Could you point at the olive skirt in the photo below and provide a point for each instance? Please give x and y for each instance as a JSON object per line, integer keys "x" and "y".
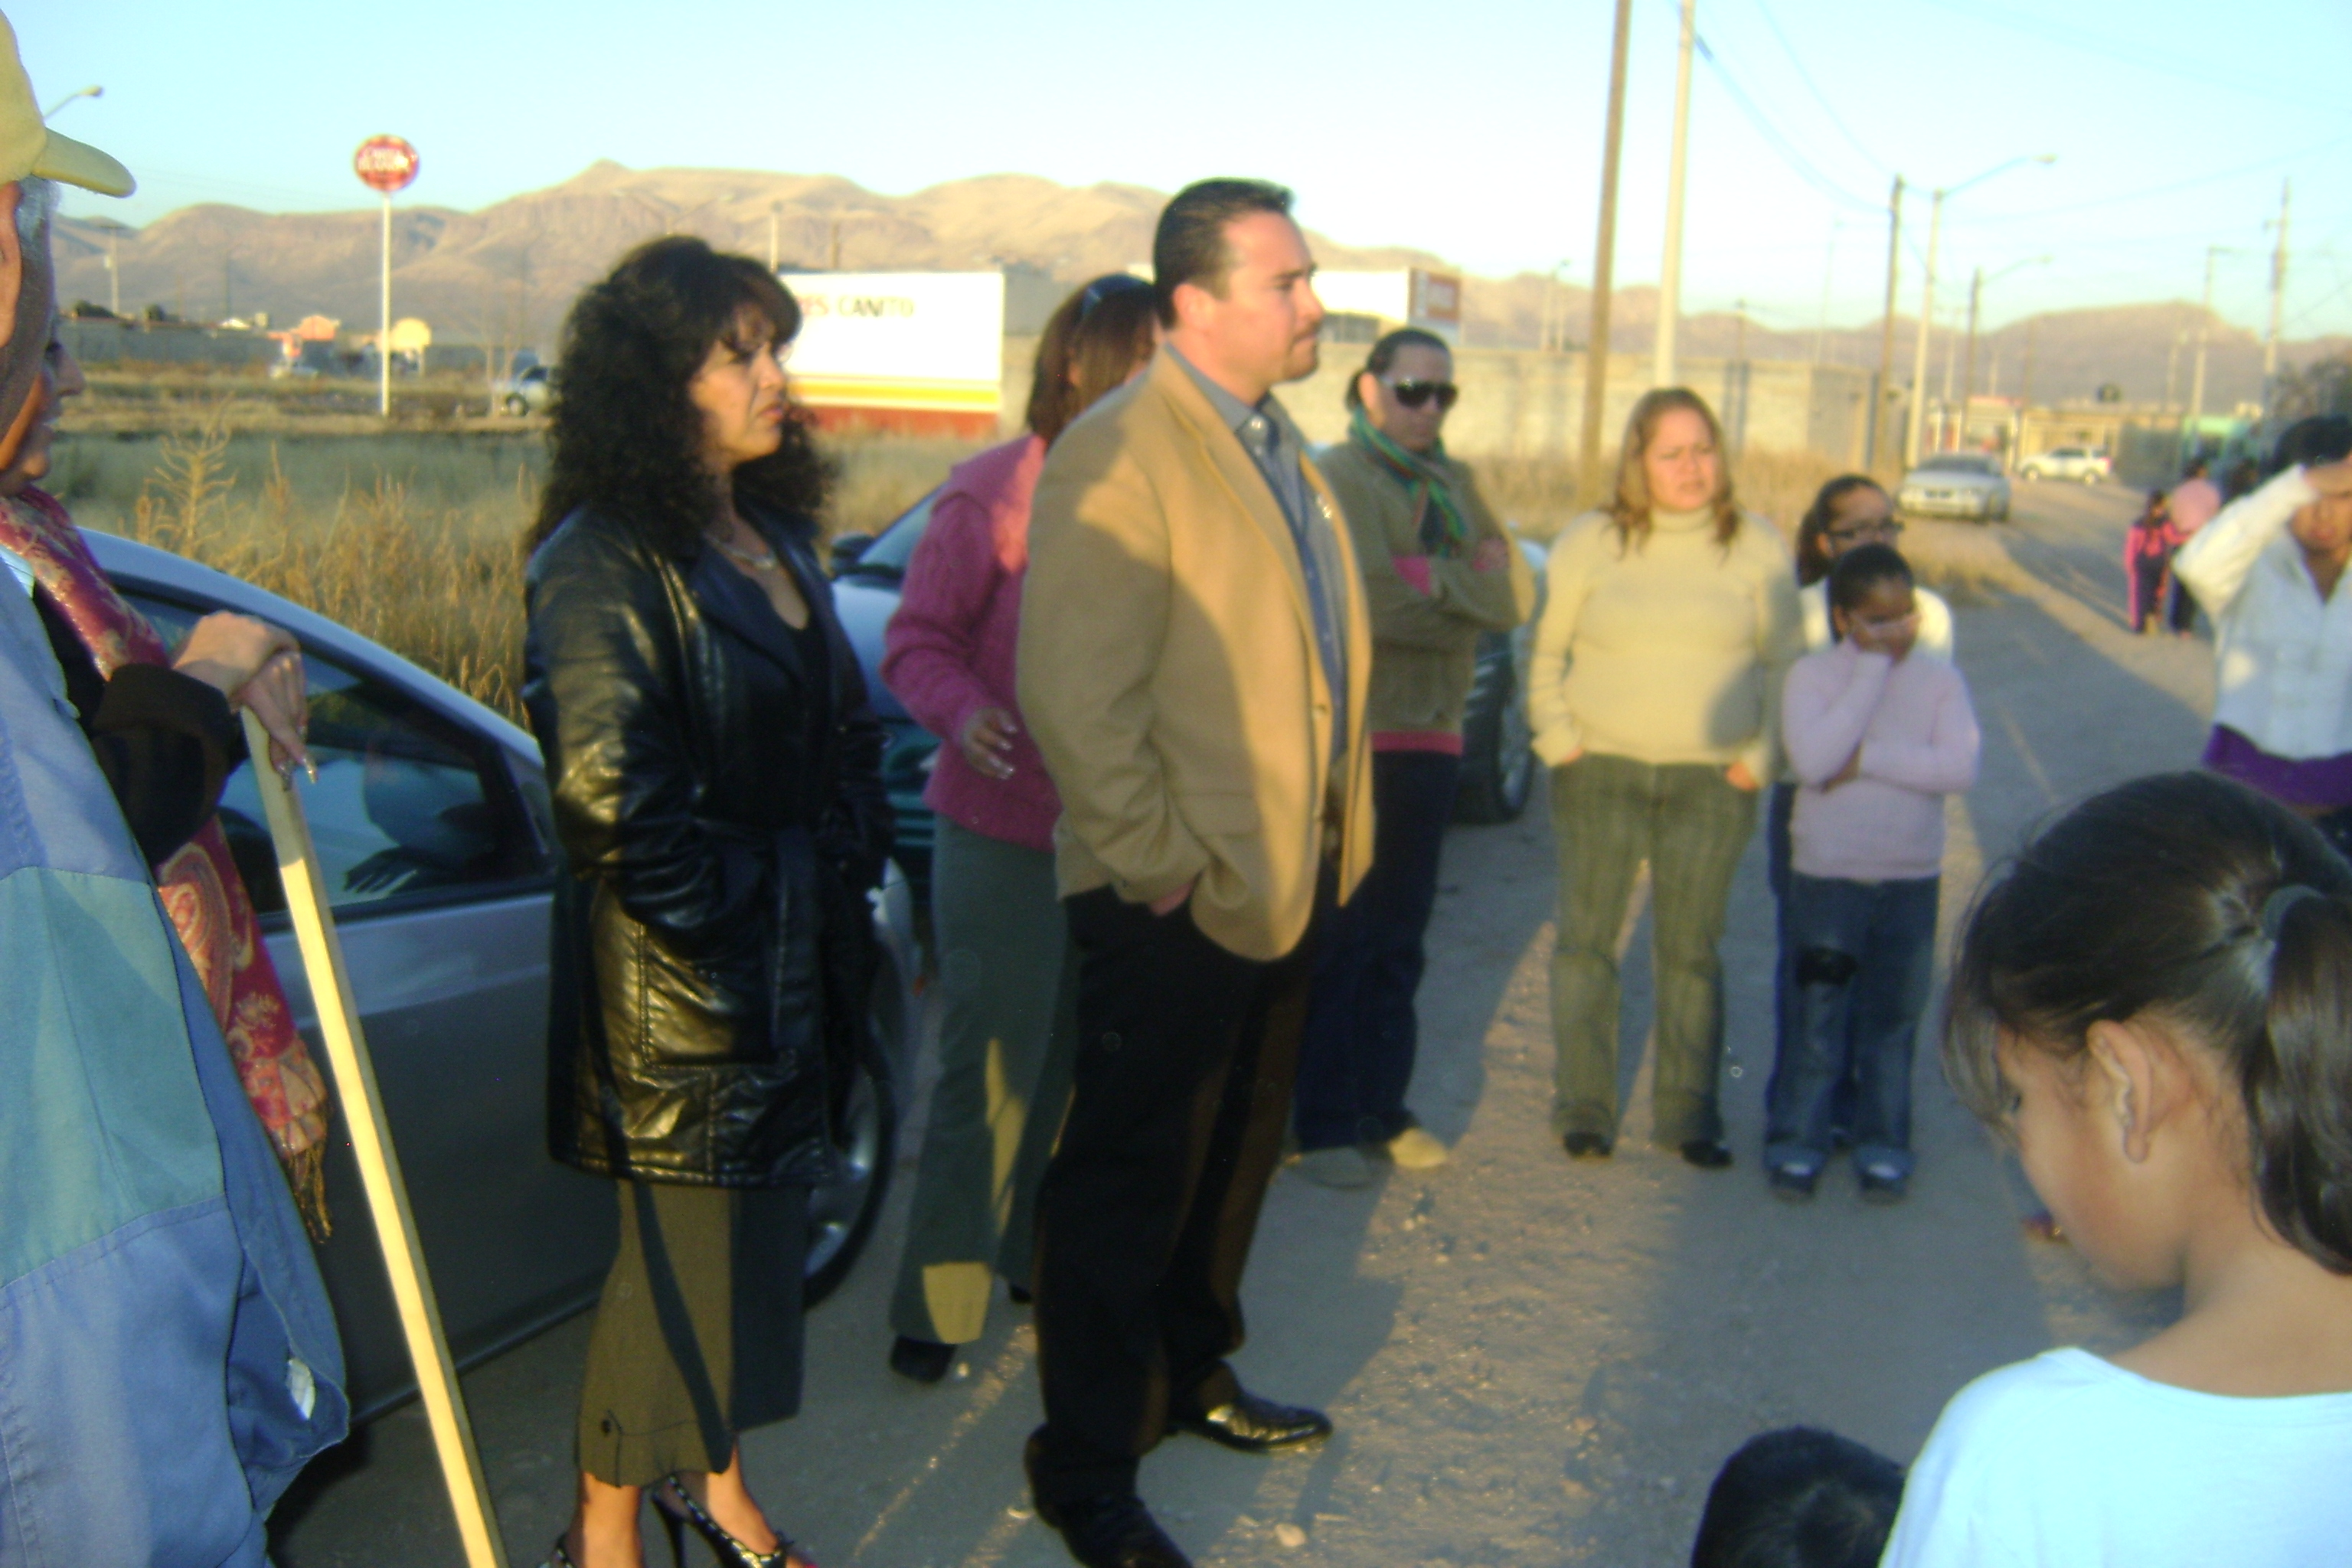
{"x": 697, "y": 1333}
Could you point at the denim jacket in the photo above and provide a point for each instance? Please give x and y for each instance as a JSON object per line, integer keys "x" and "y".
{"x": 168, "y": 1360}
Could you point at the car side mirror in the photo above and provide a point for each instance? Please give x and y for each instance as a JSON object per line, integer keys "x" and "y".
{"x": 846, "y": 550}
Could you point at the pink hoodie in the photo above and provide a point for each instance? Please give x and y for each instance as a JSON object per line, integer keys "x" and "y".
{"x": 949, "y": 649}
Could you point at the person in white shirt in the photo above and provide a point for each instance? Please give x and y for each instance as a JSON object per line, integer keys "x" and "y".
{"x": 2151, "y": 1001}
{"x": 2269, "y": 571}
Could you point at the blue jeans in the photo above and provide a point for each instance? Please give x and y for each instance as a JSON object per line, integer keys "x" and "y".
{"x": 1788, "y": 1001}
{"x": 1356, "y": 1058}
{"x": 1863, "y": 954}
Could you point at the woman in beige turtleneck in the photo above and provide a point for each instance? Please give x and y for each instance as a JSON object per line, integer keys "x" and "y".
{"x": 1654, "y": 692}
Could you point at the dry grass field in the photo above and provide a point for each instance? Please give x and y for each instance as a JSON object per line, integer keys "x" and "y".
{"x": 412, "y": 537}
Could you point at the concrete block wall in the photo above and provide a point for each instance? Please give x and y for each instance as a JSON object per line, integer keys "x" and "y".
{"x": 1518, "y": 403}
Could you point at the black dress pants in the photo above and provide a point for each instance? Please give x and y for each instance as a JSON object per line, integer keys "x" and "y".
{"x": 1185, "y": 1061}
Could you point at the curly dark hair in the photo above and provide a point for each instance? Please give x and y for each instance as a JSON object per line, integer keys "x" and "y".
{"x": 624, "y": 435}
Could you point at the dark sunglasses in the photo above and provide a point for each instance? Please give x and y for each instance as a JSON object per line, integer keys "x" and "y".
{"x": 1103, "y": 287}
{"x": 1414, "y": 393}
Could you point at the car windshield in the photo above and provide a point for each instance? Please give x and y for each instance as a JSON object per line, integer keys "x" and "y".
{"x": 888, "y": 555}
{"x": 1959, "y": 463}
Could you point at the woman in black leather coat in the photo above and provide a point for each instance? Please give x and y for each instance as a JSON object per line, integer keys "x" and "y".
{"x": 715, "y": 767}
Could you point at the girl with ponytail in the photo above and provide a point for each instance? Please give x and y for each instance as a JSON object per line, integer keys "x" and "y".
{"x": 2155, "y": 1004}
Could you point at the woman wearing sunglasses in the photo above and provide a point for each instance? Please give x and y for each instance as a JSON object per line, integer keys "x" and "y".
{"x": 1439, "y": 572}
{"x": 1006, "y": 1040}
{"x": 1654, "y": 692}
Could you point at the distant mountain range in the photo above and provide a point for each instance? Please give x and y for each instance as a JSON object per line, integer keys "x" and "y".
{"x": 505, "y": 275}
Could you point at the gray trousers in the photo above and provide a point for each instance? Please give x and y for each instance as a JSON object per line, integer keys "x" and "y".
{"x": 1609, "y": 816}
{"x": 1009, "y": 984}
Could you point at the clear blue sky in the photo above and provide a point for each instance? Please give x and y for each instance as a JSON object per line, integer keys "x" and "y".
{"x": 1471, "y": 129}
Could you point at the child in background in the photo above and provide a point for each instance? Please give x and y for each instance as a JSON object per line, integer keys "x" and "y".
{"x": 2155, "y": 1002}
{"x": 2147, "y": 557}
{"x": 1876, "y": 738}
{"x": 1798, "y": 1497}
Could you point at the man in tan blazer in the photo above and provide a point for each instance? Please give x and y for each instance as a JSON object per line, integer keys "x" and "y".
{"x": 1193, "y": 665}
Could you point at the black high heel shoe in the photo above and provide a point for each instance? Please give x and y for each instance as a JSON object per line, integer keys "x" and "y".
{"x": 679, "y": 1510}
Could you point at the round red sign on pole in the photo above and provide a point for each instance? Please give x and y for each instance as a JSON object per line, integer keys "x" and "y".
{"x": 386, "y": 163}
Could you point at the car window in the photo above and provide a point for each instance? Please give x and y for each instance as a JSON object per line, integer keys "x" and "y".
{"x": 1958, "y": 463}
{"x": 406, "y": 800}
{"x": 889, "y": 553}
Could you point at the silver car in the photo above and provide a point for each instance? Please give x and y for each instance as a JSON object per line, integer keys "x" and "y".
{"x": 431, "y": 816}
{"x": 524, "y": 393}
{"x": 1956, "y": 484}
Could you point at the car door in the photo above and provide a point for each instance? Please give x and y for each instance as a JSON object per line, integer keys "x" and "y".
{"x": 433, "y": 843}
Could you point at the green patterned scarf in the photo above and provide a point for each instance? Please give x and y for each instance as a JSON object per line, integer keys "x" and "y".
{"x": 1444, "y": 530}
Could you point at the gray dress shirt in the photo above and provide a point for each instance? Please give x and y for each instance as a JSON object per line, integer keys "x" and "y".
{"x": 1276, "y": 447}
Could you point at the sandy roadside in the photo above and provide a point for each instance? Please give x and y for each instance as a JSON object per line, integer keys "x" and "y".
{"x": 1529, "y": 1362}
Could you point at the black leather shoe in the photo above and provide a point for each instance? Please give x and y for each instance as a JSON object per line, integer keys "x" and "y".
{"x": 925, "y": 1361}
{"x": 1113, "y": 1531}
{"x": 1257, "y": 1425}
{"x": 1706, "y": 1154}
{"x": 1586, "y": 1146}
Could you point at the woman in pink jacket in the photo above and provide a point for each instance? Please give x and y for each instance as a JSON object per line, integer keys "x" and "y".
{"x": 1006, "y": 1039}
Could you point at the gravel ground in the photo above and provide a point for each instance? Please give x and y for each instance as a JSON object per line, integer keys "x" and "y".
{"x": 1529, "y": 1362}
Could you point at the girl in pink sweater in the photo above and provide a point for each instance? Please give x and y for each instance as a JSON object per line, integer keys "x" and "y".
{"x": 1876, "y": 738}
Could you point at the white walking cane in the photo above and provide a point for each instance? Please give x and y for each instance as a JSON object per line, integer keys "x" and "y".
{"x": 387, "y": 1195}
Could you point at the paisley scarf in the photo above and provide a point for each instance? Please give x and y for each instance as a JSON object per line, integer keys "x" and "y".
{"x": 201, "y": 888}
{"x": 1445, "y": 532}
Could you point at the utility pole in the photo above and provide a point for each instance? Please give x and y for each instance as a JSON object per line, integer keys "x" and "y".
{"x": 2204, "y": 331}
{"x": 1968, "y": 364}
{"x": 1596, "y": 351}
{"x": 1669, "y": 273}
{"x": 1737, "y": 435}
{"x": 1928, "y": 303}
{"x": 2278, "y": 299}
{"x": 1919, "y": 354}
{"x": 775, "y": 209}
{"x": 1829, "y": 270}
{"x": 1882, "y": 393}
{"x": 834, "y": 265}
{"x": 2025, "y": 392}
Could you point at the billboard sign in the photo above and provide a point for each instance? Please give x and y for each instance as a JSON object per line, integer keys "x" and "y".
{"x": 912, "y": 342}
{"x": 1408, "y": 297}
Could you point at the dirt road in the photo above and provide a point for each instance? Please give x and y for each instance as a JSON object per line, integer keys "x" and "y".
{"x": 1529, "y": 1362}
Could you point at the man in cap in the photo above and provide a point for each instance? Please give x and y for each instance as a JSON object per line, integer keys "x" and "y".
{"x": 168, "y": 1361}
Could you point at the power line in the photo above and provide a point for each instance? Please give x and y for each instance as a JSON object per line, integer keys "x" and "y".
{"x": 1803, "y": 166}
{"x": 2103, "y": 46}
{"x": 1819, "y": 97}
{"x": 2165, "y": 190}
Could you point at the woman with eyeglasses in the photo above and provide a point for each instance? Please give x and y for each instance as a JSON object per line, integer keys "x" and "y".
{"x": 1007, "y": 1040}
{"x": 1850, "y": 511}
{"x": 1439, "y": 573}
{"x": 1655, "y": 693}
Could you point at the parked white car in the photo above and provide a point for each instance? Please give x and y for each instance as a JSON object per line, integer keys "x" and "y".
{"x": 1956, "y": 484}
{"x": 2084, "y": 465}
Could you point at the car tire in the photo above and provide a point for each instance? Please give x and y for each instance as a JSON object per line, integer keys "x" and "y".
{"x": 517, "y": 405}
{"x": 1498, "y": 762}
{"x": 842, "y": 1217}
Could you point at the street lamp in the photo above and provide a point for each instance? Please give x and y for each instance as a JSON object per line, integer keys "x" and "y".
{"x": 51, "y": 112}
{"x": 1555, "y": 315}
{"x": 1927, "y": 302}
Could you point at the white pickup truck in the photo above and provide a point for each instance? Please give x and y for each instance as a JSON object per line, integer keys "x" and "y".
{"x": 2087, "y": 465}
